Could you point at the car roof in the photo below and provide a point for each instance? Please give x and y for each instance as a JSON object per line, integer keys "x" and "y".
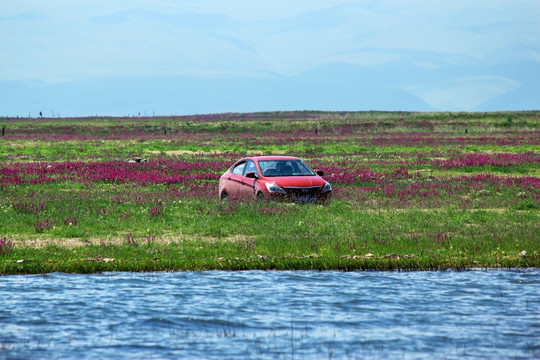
{"x": 271, "y": 157}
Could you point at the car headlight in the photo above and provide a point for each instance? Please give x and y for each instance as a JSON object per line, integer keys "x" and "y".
{"x": 326, "y": 188}
{"x": 273, "y": 188}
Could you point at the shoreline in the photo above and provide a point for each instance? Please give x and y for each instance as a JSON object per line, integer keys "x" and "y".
{"x": 54, "y": 259}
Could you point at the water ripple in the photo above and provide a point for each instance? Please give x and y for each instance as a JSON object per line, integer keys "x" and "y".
{"x": 256, "y": 314}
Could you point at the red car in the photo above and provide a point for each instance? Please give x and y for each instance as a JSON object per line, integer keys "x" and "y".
{"x": 275, "y": 178}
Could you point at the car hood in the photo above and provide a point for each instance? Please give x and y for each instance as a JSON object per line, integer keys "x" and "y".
{"x": 297, "y": 181}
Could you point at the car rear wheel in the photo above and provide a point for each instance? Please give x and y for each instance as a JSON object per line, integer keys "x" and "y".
{"x": 224, "y": 198}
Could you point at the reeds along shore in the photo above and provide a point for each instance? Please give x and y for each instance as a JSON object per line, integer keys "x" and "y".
{"x": 412, "y": 191}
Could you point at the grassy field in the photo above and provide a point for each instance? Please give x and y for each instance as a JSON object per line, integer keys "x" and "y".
{"x": 412, "y": 191}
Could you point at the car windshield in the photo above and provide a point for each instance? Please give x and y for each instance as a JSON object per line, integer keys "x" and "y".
{"x": 285, "y": 168}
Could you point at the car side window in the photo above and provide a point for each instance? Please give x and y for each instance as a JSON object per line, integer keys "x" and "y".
{"x": 239, "y": 169}
{"x": 250, "y": 167}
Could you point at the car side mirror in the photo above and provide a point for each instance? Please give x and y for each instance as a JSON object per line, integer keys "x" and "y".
{"x": 251, "y": 175}
{"x": 320, "y": 172}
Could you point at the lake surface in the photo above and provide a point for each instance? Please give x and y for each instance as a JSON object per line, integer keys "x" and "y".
{"x": 273, "y": 315}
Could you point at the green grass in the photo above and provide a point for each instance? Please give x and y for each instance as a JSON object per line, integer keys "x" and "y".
{"x": 201, "y": 236}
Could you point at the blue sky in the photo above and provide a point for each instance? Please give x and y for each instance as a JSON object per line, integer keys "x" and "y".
{"x": 111, "y": 57}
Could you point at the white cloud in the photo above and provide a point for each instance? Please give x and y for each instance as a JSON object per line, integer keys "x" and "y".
{"x": 81, "y": 39}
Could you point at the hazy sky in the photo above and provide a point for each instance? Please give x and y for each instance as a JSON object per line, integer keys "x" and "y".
{"x": 448, "y": 55}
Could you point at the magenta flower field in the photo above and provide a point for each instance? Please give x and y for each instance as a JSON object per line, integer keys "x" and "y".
{"x": 394, "y": 158}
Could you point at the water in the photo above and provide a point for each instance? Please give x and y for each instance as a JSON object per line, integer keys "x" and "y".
{"x": 274, "y": 315}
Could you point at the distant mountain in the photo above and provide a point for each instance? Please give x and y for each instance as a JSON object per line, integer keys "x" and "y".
{"x": 523, "y": 98}
{"x": 335, "y": 86}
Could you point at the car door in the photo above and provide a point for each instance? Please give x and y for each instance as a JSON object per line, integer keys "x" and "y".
{"x": 235, "y": 180}
{"x": 246, "y": 186}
